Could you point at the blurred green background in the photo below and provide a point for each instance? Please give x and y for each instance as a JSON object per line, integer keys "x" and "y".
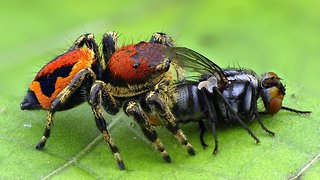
{"x": 268, "y": 35}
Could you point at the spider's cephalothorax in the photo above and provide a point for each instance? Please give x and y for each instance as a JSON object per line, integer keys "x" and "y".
{"x": 135, "y": 77}
{"x": 241, "y": 94}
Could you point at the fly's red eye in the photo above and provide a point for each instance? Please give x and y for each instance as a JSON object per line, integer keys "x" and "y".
{"x": 275, "y": 105}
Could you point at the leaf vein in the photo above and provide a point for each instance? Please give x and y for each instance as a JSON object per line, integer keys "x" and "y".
{"x": 305, "y": 168}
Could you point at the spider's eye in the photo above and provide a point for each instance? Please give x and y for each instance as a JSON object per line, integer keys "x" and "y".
{"x": 135, "y": 66}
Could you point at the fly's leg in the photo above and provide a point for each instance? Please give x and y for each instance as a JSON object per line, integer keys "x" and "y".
{"x": 262, "y": 125}
{"x": 256, "y": 113}
{"x": 169, "y": 120}
{"x": 47, "y": 131}
{"x": 134, "y": 110}
{"x": 202, "y": 131}
{"x": 253, "y": 101}
{"x": 218, "y": 96}
{"x": 212, "y": 117}
{"x": 295, "y": 110}
{"x": 97, "y": 96}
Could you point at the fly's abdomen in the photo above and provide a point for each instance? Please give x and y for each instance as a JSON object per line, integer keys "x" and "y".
{"x": 188, "y": 106}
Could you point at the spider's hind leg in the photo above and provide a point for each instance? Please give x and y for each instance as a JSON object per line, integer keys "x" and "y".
{"x": 169, "y": 120}
{"x": 134, "y": 110}
{"x": 63, "y": 101}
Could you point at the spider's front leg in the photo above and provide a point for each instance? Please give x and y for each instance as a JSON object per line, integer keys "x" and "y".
{"x": 162, "y": 38}
{"x": 153, "y": 99}
{"x": 99, "y": 97}
{"x": 109, "y": 44}
{"x": 134, "y": 110}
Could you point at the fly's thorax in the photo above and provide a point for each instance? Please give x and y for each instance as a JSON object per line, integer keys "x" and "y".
{"x": 242, "y": 75}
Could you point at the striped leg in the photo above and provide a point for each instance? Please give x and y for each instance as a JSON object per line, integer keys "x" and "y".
{"x": 102, "y": 126}
{"x": 95, "y": 103}
{"x": 133, "y": 110}
{"x": 162, "y": 38}
{"x": 47, "y": 130}
{"x": 169, "y": 120}
{"x": 61, "y": 99}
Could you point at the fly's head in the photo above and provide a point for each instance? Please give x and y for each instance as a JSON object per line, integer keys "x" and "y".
{"x": 272, "y": 92}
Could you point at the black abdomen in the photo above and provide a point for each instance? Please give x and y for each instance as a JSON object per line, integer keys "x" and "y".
{"x": 189, "y": 105}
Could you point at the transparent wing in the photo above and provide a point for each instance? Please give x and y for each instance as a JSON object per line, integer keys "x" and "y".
{"x": 194, "y": 64}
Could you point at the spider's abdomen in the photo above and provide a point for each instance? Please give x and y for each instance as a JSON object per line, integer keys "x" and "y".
{"x": 57, "y": 74}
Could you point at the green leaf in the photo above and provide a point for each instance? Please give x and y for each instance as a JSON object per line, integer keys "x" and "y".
{"x": 260, "y": 35}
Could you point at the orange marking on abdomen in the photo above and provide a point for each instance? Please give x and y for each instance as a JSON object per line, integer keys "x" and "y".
{"x": 81, "y": 58}
{"x": 69, "y": 58}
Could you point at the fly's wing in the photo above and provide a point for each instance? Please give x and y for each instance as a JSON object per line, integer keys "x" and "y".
{"x": 194, "y": 64}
